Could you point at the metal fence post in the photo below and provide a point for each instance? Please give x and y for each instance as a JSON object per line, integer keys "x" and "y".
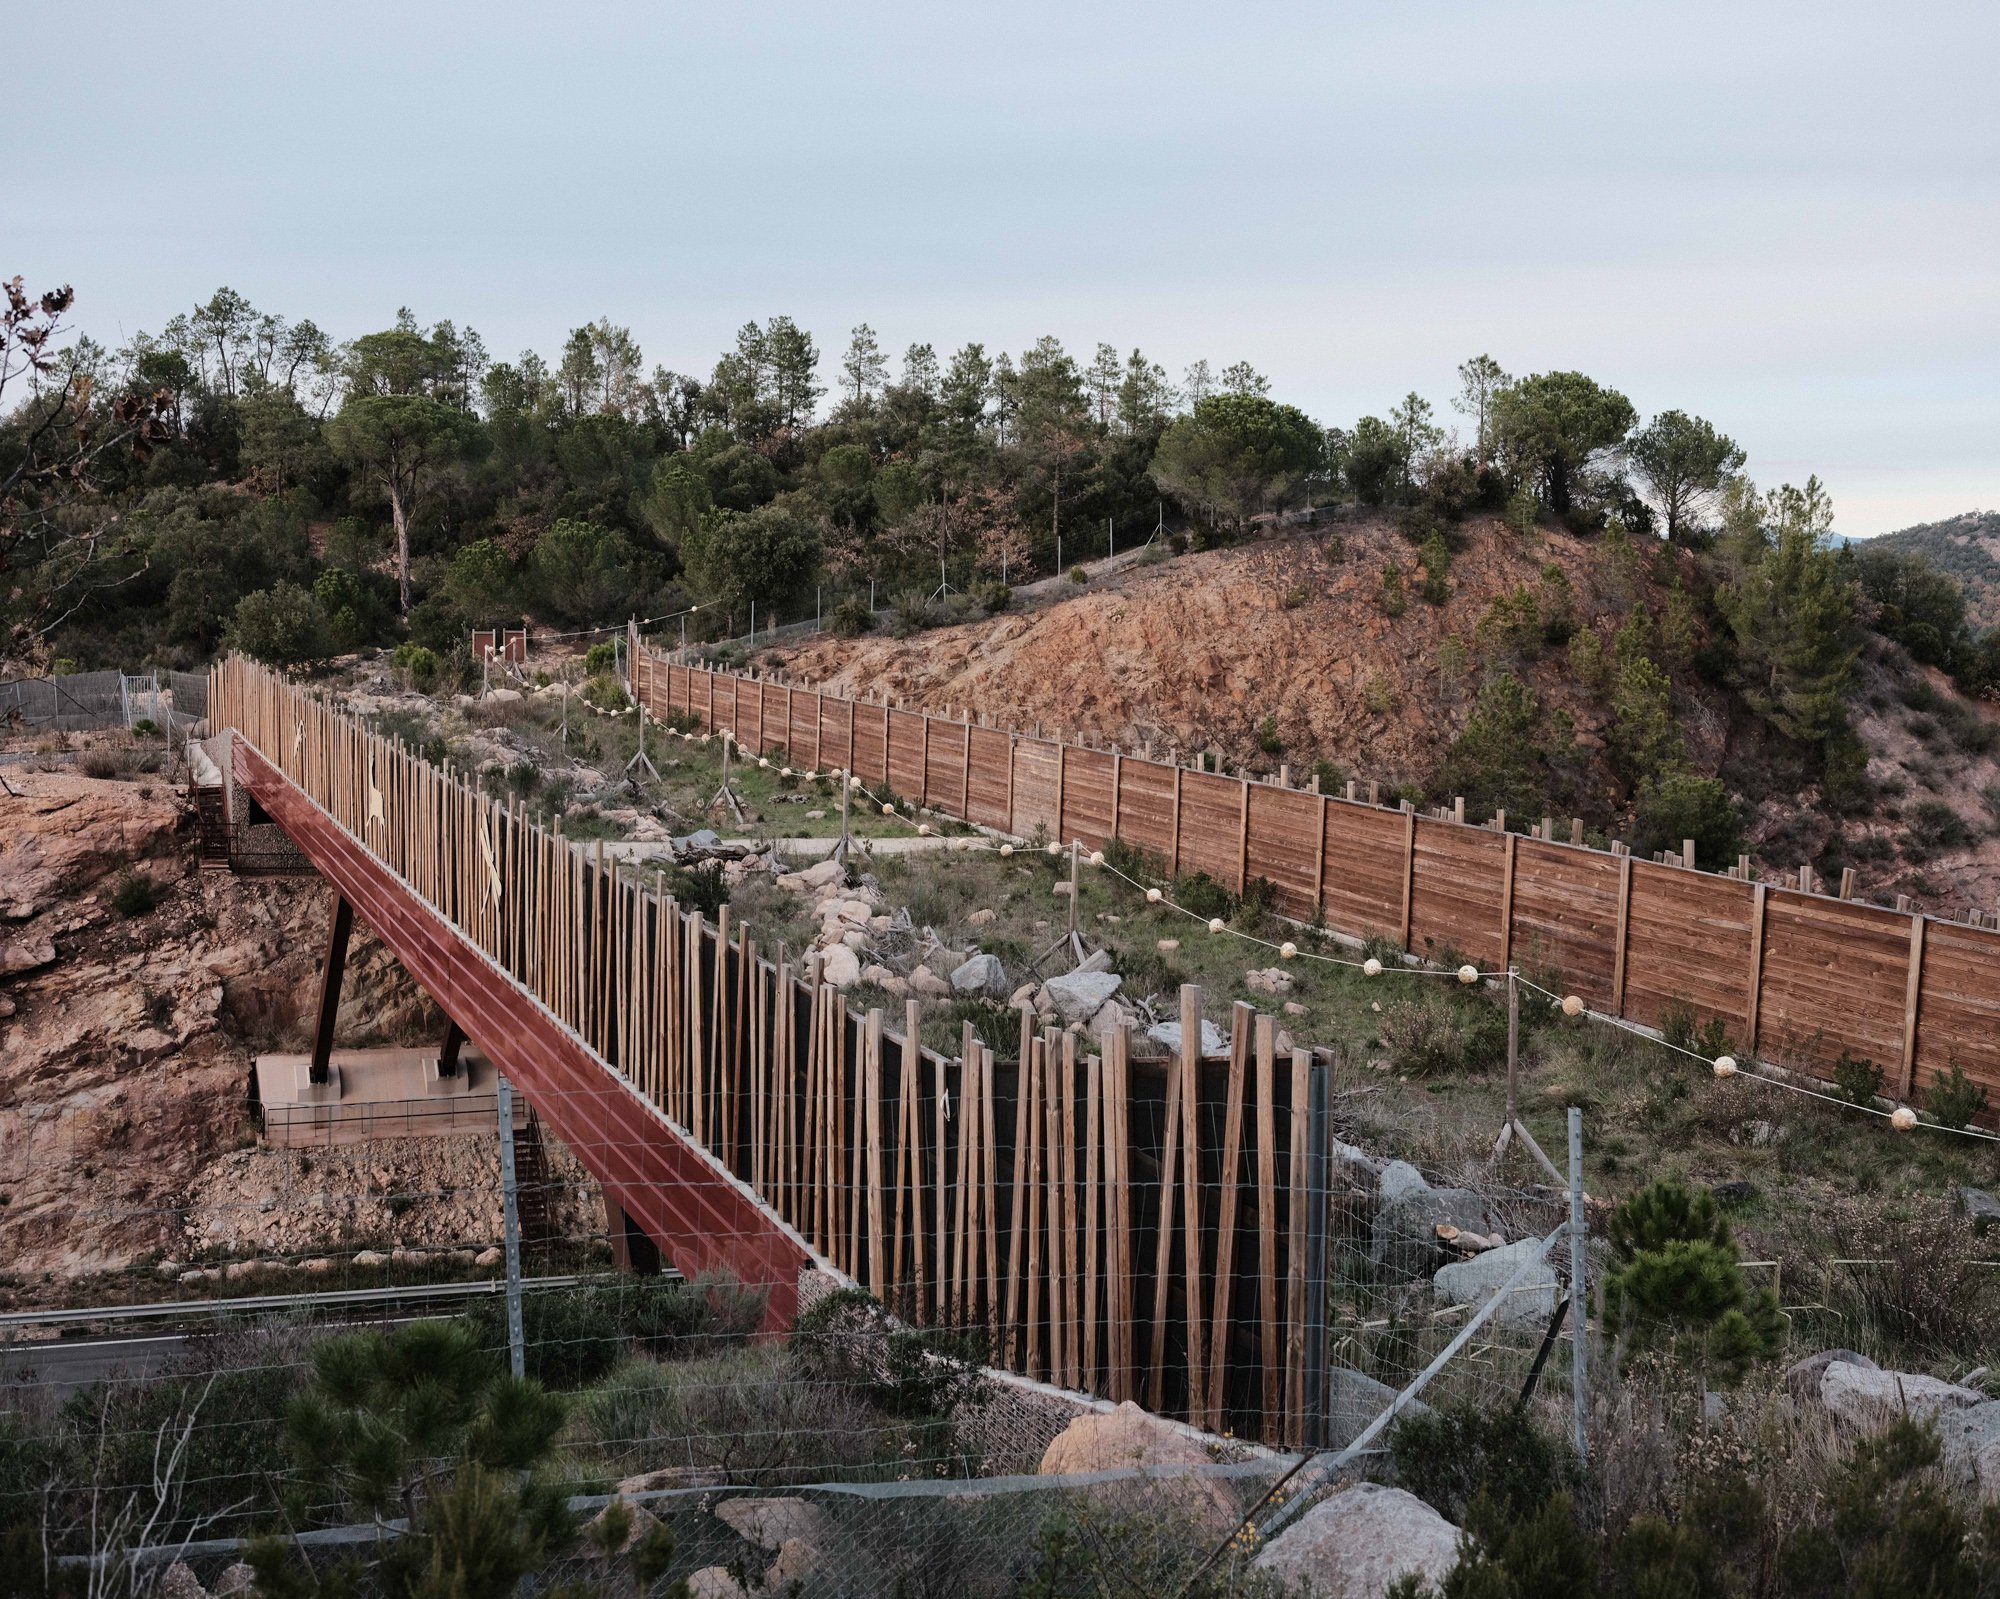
{"x": 1319, "y": 1133}
{"x": 1578, "y": 1343}
{"x": 510, "y": 1222}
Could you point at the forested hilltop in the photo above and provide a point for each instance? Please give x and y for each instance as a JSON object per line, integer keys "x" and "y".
{"x": 1967, "y": 548}
{"x": 1677, "y": 647}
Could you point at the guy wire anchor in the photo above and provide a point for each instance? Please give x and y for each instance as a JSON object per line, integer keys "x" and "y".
{"x": 640, "y": 759}
{"x": 726, "y": 792}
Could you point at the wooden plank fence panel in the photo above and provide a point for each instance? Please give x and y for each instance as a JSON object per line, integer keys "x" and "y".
{"x": 724, "y": 688}
{"x": 986, "y": 803}
{"x": 944, "y": 767}
{"x": 1284, "y": 845}
{"x": 1211, "y": 824}
{"x": 836, "y": 733}
{"x": 906, "y": 755}
{"x": 773, "y": 718}
{"x": 1833, "y": 967}
{"x": 802, "y": 744}
{"x": 1362, "y": 893}
{"x": 1958, "y": 1008}
{"x": 1566, "y": 916}
{"x": 1455, "y": 900}
{"x": 871, "y": 744}
{"x": 1146, "y": 808}
{"x": 1036, "y": 774}
{"x": 1086, "y": 797}
{"x": 1687, "y": 939}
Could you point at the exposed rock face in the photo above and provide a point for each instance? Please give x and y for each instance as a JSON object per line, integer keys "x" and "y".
{"x": 125, "y": 1056}
{"x": 1355, "y": 1544}
{"x": 772, "y": 1523}
{"x": 1867, "y": 1397}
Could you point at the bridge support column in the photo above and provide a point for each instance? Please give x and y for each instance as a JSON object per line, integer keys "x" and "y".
{"x": 331, "y": 973}
{"x": 631, "y": 1249}
{"x": 454, "y": 1041}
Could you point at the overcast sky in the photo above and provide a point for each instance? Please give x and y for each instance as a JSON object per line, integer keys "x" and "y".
{"x": 1783, "y": 217}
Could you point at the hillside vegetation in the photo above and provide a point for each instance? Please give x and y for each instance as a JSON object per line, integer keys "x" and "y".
{"x": 1562, "y": 609}
{"x": 1967, "y": 549}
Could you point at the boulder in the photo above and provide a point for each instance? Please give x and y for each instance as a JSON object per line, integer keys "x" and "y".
{"x": 1472, "y": 1282}
{"x": 772, "y": 1523}
{"x": 371, "y": 1257}
{"x": 982, "y": 975}
{"x": 179, "y": 1582}
{"x": 1354, "y": 1399}
{"x": 1981, "y": 1206}
{"x": 824, "y": 874}
{"x": 981, "y": 917}
{"x": 1168, "y": 1036}
{"x": 1078, "y": 996}
{"x": 1971, "y": 1440}
{"x": 840, "y": 966}
{"x": 237, "y": 1578}
{"x": 1404, "y": 1238}
{"x": 639, "y": 1520}
{"x": 927, "y": 982}
{"x": 714, "y": 1582}
{"x": 1098, "y": 960}
{"x": 1398, "y": 1179}
{"x": 1357, "y": 1168}
{"x": 669, "y": 1477}
{"x": 1268, "y": 980}
{"x": 1130, "y": 1436}
{"x": 1166, "y": 946}
{"x": 796, "y": 1561}
{"x": 1357, "y": 1543}
{"x": 1802, "y": 1376}
{"x": 1112, "y": 1018}
{"x": 1024, "y": 995}
{"x": 1294, "y": 1008}
{"x": 1063, "y": 889}
{"x": 1864, "y": 1396}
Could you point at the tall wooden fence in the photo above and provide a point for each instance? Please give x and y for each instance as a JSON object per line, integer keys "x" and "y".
{"x": 1796, "y": 978}
{"x": 1130, "y": 1226}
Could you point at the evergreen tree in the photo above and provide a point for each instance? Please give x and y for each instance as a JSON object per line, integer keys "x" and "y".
{"x": 1792, "y": 613}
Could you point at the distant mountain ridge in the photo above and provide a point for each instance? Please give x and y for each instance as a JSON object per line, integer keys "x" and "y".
{"x": 1966, "y": 546}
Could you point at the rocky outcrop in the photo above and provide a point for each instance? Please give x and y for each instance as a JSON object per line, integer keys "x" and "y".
{"x": 1359, "y": 1542}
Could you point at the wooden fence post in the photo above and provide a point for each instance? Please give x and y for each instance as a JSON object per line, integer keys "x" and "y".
{"x": 1756, "y": 1004}
{"x": 1409, "y": 868}
{"x": 1624, "y": 927}
{"x": 1912, "y": 997}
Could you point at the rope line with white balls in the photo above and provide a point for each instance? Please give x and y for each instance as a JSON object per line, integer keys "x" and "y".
{"x": 1903, "y": 1118}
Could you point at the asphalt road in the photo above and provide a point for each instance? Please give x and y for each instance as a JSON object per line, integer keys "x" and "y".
{"x": 61, "y": 1366}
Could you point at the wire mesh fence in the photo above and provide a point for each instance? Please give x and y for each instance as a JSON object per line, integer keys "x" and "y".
{"x": 75, "y": 702}
{"x": 914, "y": 1465}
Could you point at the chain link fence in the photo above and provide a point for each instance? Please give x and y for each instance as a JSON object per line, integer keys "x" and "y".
{"x": 76, "y": 702}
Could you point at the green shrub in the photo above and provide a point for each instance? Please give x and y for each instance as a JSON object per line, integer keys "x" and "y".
{"x": 1392, "y": 599}
{"x": 1434, "y": 559}
{"x": 701, "y": 886}
{"x": 1932, "y": 826}
{"x": 135, "y": 894}
{"x": 1433, "y": 1037}
{"x": 1858, "y": 1079}
{"x": 1679, "y": 1284}
{"x": 1268, "y": 738}
{"x": 281, "y": 626}
{"x": 852, "y": 618}
{"x": 416, "y": 662}
{"x": 605, "y": 693}
{"x": 1450, "y": 1457}
{"x": 993, "y": 596}
{"x": 145, "y": 727}
{"x": 1332, "y": 776}
{"x": 1953, "y": 1098}
{"x": 1679, "y": 805}
{"x": 912, "y": 612}
{"x": 1078, "y": 576}
{"x": 1201, "y": 895}
{"x": 600, "y": 658}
